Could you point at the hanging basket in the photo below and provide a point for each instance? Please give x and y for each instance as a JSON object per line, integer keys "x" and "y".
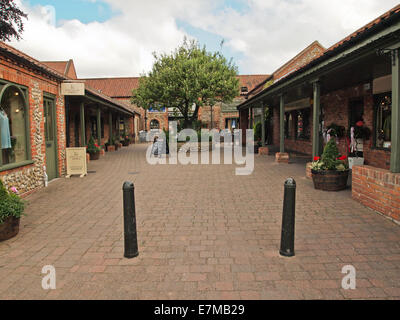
{"x": 330, "y": 180}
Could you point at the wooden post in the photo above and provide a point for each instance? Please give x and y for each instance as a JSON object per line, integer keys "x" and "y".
{"x": 99, "y": 126}
{"x": 263, "y": 125}
{"x": 282, "y": 124}
{"x": 83, "y": 130}
{"x": 110, "y": 123}
{"x": 316, "y": 117}
{"x": 395, "y": 139}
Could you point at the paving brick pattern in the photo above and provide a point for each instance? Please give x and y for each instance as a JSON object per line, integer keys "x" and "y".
{"x": 203, "y": 233}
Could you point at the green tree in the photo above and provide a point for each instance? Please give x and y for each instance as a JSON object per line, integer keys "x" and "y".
{"x": 187, "y": 79}
{"x": 11, "y": 24}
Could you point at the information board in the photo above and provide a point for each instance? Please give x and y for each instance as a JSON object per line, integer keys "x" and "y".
{"x": 76, "y": 162}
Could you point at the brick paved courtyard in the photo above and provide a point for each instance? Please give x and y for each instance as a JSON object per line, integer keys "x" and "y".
{"x": 203, "y": 233}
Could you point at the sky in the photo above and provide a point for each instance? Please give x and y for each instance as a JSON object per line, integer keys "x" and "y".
{"x": 116, "y": 38}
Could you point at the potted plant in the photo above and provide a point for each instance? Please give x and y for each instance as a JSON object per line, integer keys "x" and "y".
{"x": 126, "y": 141}
{"x": 11, "y": 210}
{"x": 331, "y": 171}
{"x": 93, "y": 149}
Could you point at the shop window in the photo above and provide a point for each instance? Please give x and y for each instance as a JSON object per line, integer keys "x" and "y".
{"x": 14, "y": 118}
{"x": 383, "y": 121}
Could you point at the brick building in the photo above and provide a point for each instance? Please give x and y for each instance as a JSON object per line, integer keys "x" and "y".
{"x": 38, "y": 122}
{"x": 223, "y": 115}
{"x": 355, "y": 80}
{"x": 30, "y": 98}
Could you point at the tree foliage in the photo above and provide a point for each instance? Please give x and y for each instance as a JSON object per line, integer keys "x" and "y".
{"x": 11, "y": 24}
{"x": 187, "y": 79}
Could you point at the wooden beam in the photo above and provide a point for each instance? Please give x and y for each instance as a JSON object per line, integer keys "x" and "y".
{"x": 83, "y": 130}
{"x": 316, "y": 117}
{"x": 395, "y": 155}
{"x": 282, "y": 124}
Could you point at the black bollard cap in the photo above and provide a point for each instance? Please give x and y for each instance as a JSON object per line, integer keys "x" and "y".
{"x": 290, "y": 183}
{"x": 128, "y": 186}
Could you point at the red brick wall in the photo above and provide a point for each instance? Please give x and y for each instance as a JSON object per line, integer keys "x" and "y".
{"x": 161, "y": 117}
{"x": 227, "y": 115}
{"x": 378, "y": 189}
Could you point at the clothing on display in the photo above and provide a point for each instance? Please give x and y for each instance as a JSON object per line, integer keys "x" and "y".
{"x": 5, "y": 131}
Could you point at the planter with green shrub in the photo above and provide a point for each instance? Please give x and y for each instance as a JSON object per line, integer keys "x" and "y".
{"x": 330, "y": 172}
{"x": 11, "y": 210}
{"x": 93, "y": 149}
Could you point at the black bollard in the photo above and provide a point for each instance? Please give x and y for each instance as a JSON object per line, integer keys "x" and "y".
{"x": 288, "y": 220}
{"x": 131, "y": 244}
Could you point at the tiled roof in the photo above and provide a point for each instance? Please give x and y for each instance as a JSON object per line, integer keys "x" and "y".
{"x": 341, "y": 45}
{"x": 7, "y": 49}
{"x": 115, "y": 87}
{"x": 122, "y": 87}
{"x": 368, "y": 26}
{"x": 66, "y": 68}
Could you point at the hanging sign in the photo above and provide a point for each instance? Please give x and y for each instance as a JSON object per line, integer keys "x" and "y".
{"x": 72, "y": 89}
{"x": 76, "y": 162}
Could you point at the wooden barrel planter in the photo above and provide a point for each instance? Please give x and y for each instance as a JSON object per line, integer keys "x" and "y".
{"x": 95, "y": 156}
{"x": 9, "y": 228}
{"x": 330, "y": 180}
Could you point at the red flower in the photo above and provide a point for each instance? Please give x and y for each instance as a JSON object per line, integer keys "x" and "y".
{"x": 360, "y": 124}
{"x": 343, "y": 158}
{"x": 317, "y": 158}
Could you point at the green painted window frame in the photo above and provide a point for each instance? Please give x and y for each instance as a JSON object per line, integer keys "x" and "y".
{"x": 52, "y": 98}
{"x": 4, "y": 85}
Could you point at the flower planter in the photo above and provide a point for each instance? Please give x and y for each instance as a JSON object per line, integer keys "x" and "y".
{"x": 95, "y": 156}
{"x": 330, "y": 180}
{"x": 9, "y": 228}
{"x": 111, "y": 149}
{"x": 125, "y": 143}
{"x": 353, "y": 161}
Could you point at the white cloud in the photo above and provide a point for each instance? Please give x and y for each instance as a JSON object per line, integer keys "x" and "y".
{"x": 266, "y": 35}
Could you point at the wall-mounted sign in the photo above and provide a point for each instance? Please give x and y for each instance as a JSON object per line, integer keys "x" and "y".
{"x": 72, "y": 89}
{"x": 382, "y": 84}
{"x": 76, "y": 162}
